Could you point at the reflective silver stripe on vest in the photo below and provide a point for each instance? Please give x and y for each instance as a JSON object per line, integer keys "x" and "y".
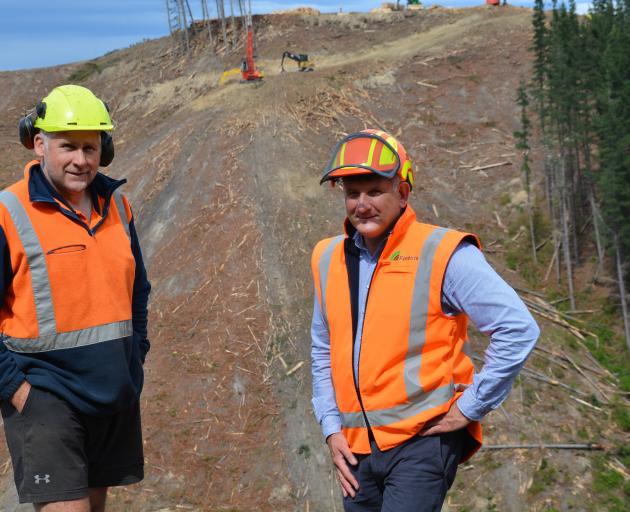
{"x": 71, "y": 339}
{"x": 122, "y": 212}
{"x": 419, "y": 313}
{"x": 324, "y": 266}
{"x": 36, "y": 263}
{"x": 417, "y": 404}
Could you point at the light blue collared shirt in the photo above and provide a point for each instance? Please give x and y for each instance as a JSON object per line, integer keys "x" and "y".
{"x": 470, "y": 286}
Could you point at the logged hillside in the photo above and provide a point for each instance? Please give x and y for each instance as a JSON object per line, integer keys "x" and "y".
{"x": 223, "y": 180}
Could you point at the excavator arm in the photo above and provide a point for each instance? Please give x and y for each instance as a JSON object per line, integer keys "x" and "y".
{"x": 301, "y": 58}
{"x": 248, "y": 66}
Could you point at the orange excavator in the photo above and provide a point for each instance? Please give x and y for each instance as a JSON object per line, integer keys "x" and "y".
{"x": 248, "y": 66}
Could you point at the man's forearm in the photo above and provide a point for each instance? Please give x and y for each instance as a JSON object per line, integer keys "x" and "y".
{"x": 141, "y": 289}
{"x": 473, "y": 287}
{"x": 324, "y": 403}
{"x": 487, "y": 391}
{"x": 505, "y": 356}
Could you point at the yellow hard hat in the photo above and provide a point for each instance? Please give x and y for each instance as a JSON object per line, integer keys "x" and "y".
{"x": 72, "y": 107}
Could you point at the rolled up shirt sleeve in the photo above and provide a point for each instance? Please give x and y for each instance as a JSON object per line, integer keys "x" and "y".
{"x": 473, "y": 287}
{"x": 324, "y": 402}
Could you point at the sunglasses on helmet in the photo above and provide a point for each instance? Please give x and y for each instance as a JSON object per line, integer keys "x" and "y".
{"x": 360, "y": 152}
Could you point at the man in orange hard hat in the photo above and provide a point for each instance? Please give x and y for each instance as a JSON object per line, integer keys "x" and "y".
{"x": 394, "y": 387}
{"x": 74, "y": 312}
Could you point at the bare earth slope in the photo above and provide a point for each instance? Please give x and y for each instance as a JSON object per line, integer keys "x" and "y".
{"x": 224, "y": 184}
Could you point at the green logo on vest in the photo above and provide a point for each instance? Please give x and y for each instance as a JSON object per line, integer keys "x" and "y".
{"x": 399, "y": 257}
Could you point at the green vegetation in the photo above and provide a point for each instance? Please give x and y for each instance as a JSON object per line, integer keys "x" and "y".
{"x": 519, "y": 256}
{"x": 304, "y": 450}
{"x": 606, "y": 483}
{"x": 490, "y": 505}
{"x": 622, "y": 453}
{"x": 581, "y": 90}
{"x": 90, "y": 68}
{"x": 544, "y": 477}
{"x": 84, "y": 72}
{"x": 621, "y": 415}
{"x": 455, "y": 60}
{"x": 608, "y": 349}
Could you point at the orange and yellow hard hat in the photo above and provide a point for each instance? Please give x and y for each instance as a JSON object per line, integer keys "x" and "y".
{"x": 367, "y": 152}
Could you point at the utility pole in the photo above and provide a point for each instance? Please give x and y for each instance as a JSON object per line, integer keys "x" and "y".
{"x": 182, "y": 12}
{"x": 178, "y": 19}
{"x": 242, "y": 9}
{"x": 206, "y": 19}
{"x": 172, "y": 14}
{"x": 233, "y": 23}
{"x": 221, "y": 15}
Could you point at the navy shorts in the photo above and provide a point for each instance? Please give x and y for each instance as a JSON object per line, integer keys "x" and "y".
{"x": 58, "y": 453}
{"x": 412, "y": 477}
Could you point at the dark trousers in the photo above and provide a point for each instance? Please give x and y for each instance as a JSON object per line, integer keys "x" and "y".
{"x": 412, "y": 477}
{"x": 58, "y": 453}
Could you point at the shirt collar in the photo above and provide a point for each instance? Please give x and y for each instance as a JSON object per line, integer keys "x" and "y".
{"x": 40, "y": 190}
{"x": 360, "y": 243}
{"x": 407, "y": 218}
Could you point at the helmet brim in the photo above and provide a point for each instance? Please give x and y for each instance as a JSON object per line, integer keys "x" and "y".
{"x": 52, "y": 128}
{"x": 344, "y": 172}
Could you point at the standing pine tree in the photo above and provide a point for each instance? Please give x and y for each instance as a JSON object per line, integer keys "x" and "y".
{"x": 541, "y": 50}
{"x": 613, "y": 127}
{"x": 522, "y": 144}
{"x": 561, "y": 99}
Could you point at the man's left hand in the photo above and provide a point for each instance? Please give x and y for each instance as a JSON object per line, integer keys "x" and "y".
{"x": 449, "y": 422}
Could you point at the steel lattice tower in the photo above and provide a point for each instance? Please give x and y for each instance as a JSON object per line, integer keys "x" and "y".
{"x": 178, "y": 12}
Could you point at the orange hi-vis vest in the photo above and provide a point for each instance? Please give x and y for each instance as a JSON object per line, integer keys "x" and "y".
{"x": 70, "y": 288}
{"x": 412, "y": 354}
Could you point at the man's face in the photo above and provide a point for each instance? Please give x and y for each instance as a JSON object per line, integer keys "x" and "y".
{"x": 70, "y": 160}
{"x": 373, "y": 203}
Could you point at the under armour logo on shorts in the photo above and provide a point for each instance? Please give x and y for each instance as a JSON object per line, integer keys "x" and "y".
{"x": 39, "y": 479}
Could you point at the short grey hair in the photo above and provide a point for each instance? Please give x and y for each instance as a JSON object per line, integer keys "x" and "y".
{"x": 46, "y": 136}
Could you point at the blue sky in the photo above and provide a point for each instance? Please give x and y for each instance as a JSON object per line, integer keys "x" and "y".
{"x": 38, "y": 33}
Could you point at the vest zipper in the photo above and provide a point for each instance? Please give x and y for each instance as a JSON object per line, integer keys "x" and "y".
{"x": 356, "y": 378}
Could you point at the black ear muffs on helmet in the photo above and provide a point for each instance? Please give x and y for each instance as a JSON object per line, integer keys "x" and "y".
{"x": 27, "y": 128}
{"x": 107, "y": 145}
{"x": 27, "y": 132}
{"x": 107, "y": 149}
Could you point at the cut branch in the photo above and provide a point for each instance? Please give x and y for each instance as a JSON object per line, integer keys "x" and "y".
{"x": 490, "y": 166}
{"x": 542, "y": 446}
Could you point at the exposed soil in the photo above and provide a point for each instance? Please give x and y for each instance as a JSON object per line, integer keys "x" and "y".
{"x": 224, "y": 184}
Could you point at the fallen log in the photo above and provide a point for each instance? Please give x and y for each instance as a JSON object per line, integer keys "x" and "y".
{"x": 542, "y": 446}
{"x": 491, "y": 166}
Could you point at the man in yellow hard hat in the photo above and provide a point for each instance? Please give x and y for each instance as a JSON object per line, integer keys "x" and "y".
{"x": 74, "y": 312}
{"x": 394, "y": 386}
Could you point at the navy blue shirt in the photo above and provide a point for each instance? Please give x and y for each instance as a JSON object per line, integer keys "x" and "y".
{"x": 98, "y": 379}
